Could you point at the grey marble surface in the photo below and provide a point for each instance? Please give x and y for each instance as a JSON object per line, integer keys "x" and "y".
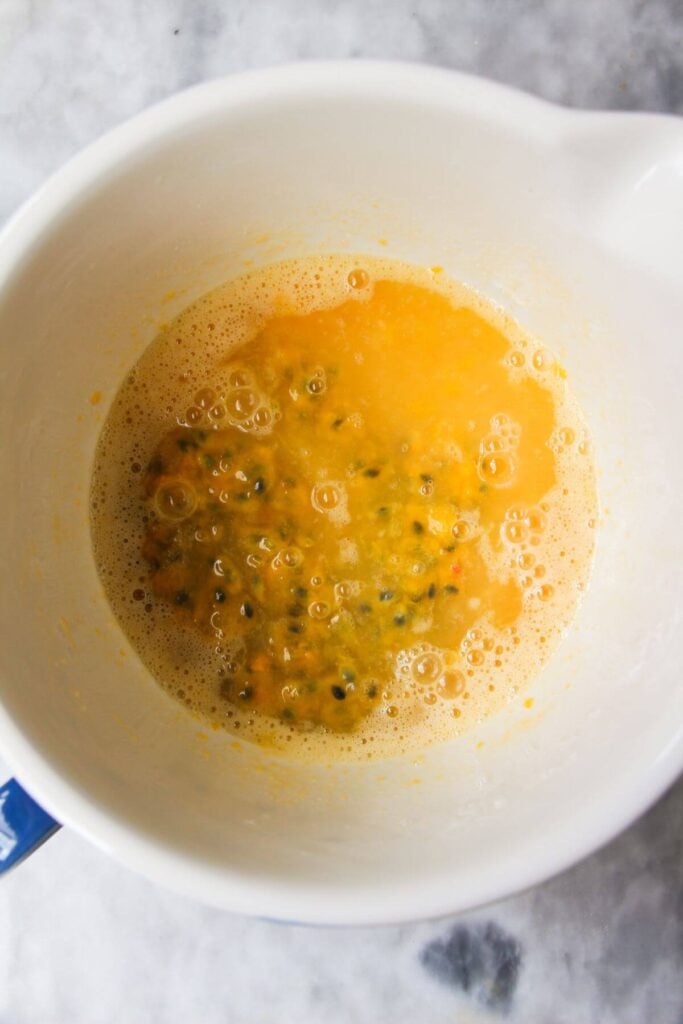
{"x": 84, "y": 941}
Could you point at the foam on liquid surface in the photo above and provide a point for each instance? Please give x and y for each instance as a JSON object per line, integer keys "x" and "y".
{"x": 341, "y": 507}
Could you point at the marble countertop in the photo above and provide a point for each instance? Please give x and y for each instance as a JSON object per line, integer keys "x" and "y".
{"x": 84, "y": 941}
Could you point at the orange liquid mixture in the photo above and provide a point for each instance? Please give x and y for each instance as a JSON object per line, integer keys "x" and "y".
{"x": 341, "y": 502}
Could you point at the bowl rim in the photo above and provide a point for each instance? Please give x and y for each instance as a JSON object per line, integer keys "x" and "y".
{"x": 597, "y": 822}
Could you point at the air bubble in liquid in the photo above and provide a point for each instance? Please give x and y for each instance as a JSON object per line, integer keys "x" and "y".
{"x": 426, "y": 668}
{"x": 193, "y": 415}
{"x": 318, "y": 609}
{"x": 514, "y": 532}
{"x": 262, "y": 417}
{"x": 205, "y": 398}
{"x": 461, "y": 530}
{"x": 325, "y": 497}
{"x": 242, "y": 403}
{"x": 175, "y": 500}
{"x": 497, "y": 469}
{"x": 358, "y": 278}
{"x": 289, "y": 558}
{"x": 451, "y": 685}
{"x": 492, "y": 443}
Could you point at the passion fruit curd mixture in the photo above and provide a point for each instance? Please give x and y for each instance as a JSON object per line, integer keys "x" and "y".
{"x": 340, "y": 502}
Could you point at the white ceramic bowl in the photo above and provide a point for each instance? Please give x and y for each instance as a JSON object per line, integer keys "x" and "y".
{"x": 571, "y": 221}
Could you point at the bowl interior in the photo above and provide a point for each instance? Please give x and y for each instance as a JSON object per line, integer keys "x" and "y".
{"x": 513, "y": 198}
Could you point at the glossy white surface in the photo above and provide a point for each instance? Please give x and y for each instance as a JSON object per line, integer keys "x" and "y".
{"x": 537, "y": 207}
{"x": 250, "y": 1004}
